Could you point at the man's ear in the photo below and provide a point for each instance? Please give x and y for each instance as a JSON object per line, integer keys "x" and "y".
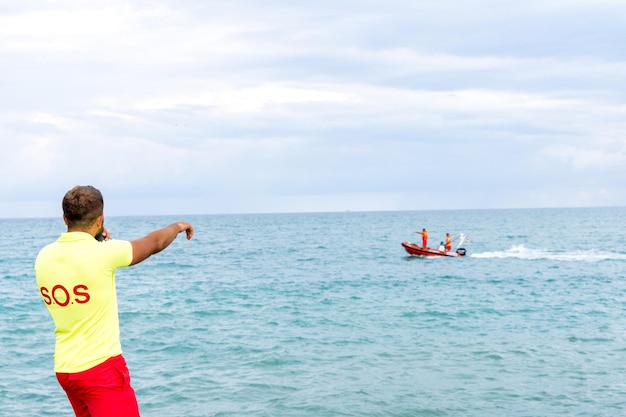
{"x": 65, "y": 220}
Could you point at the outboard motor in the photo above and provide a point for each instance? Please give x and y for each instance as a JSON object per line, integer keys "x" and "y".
{"x": 459, "y": 250}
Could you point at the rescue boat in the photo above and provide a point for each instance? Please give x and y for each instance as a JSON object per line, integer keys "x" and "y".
{"x": 417, "y": 250}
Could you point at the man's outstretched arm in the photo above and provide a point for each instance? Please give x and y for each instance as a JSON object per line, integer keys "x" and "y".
{"x": 155, "y": 242}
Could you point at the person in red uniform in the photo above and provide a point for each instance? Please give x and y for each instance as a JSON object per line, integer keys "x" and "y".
{"x": 424, "y": 234}
{"x": 448, "y": 242}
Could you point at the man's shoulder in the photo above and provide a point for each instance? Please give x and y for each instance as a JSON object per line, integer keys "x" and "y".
{"x": 47, "y": 248}
{"x": 120, "y": 251}
{"x": 116, "y": 243}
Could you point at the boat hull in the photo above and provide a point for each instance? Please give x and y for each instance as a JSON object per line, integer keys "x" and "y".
{"x": 416, "y": 250}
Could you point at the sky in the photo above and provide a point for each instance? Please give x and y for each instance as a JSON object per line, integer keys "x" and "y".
{"x": 241, "y": 106}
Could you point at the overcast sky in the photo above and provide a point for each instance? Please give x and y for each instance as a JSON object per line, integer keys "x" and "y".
{"x": 241, "y": 106}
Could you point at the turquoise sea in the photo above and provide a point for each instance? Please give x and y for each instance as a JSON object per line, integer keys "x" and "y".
{"x": 325, "y": 315}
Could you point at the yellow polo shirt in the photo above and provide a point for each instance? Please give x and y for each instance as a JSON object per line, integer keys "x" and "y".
{"x": 76, "y": 280}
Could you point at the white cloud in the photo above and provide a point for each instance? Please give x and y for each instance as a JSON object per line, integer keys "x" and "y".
{"x": 585, "y": 157}
{"x": 247, "y": 100}
{"x": 311, "y": 106}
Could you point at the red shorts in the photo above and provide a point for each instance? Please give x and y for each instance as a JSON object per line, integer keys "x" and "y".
{"x": 102, "y": 391}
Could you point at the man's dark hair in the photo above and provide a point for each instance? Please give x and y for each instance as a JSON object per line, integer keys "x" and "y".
{"x": 82, "y": 205}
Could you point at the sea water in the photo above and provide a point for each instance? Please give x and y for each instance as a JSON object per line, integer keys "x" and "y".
{"x": 326, "y": 315}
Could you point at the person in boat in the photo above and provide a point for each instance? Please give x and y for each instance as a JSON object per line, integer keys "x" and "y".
{"x": 441, "y": 247}
{"x": 76, "y": 281}
{"x": 448, "y": 242}
{"x": 424, "y": 234}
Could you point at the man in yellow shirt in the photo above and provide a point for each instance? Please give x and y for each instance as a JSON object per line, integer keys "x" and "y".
{"x": 76, "y": 280}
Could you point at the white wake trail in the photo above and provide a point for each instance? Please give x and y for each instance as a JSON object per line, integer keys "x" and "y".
{"x": 522, "y": 252}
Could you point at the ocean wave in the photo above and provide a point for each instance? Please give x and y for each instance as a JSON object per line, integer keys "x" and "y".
{"x": 522, "y": 252}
